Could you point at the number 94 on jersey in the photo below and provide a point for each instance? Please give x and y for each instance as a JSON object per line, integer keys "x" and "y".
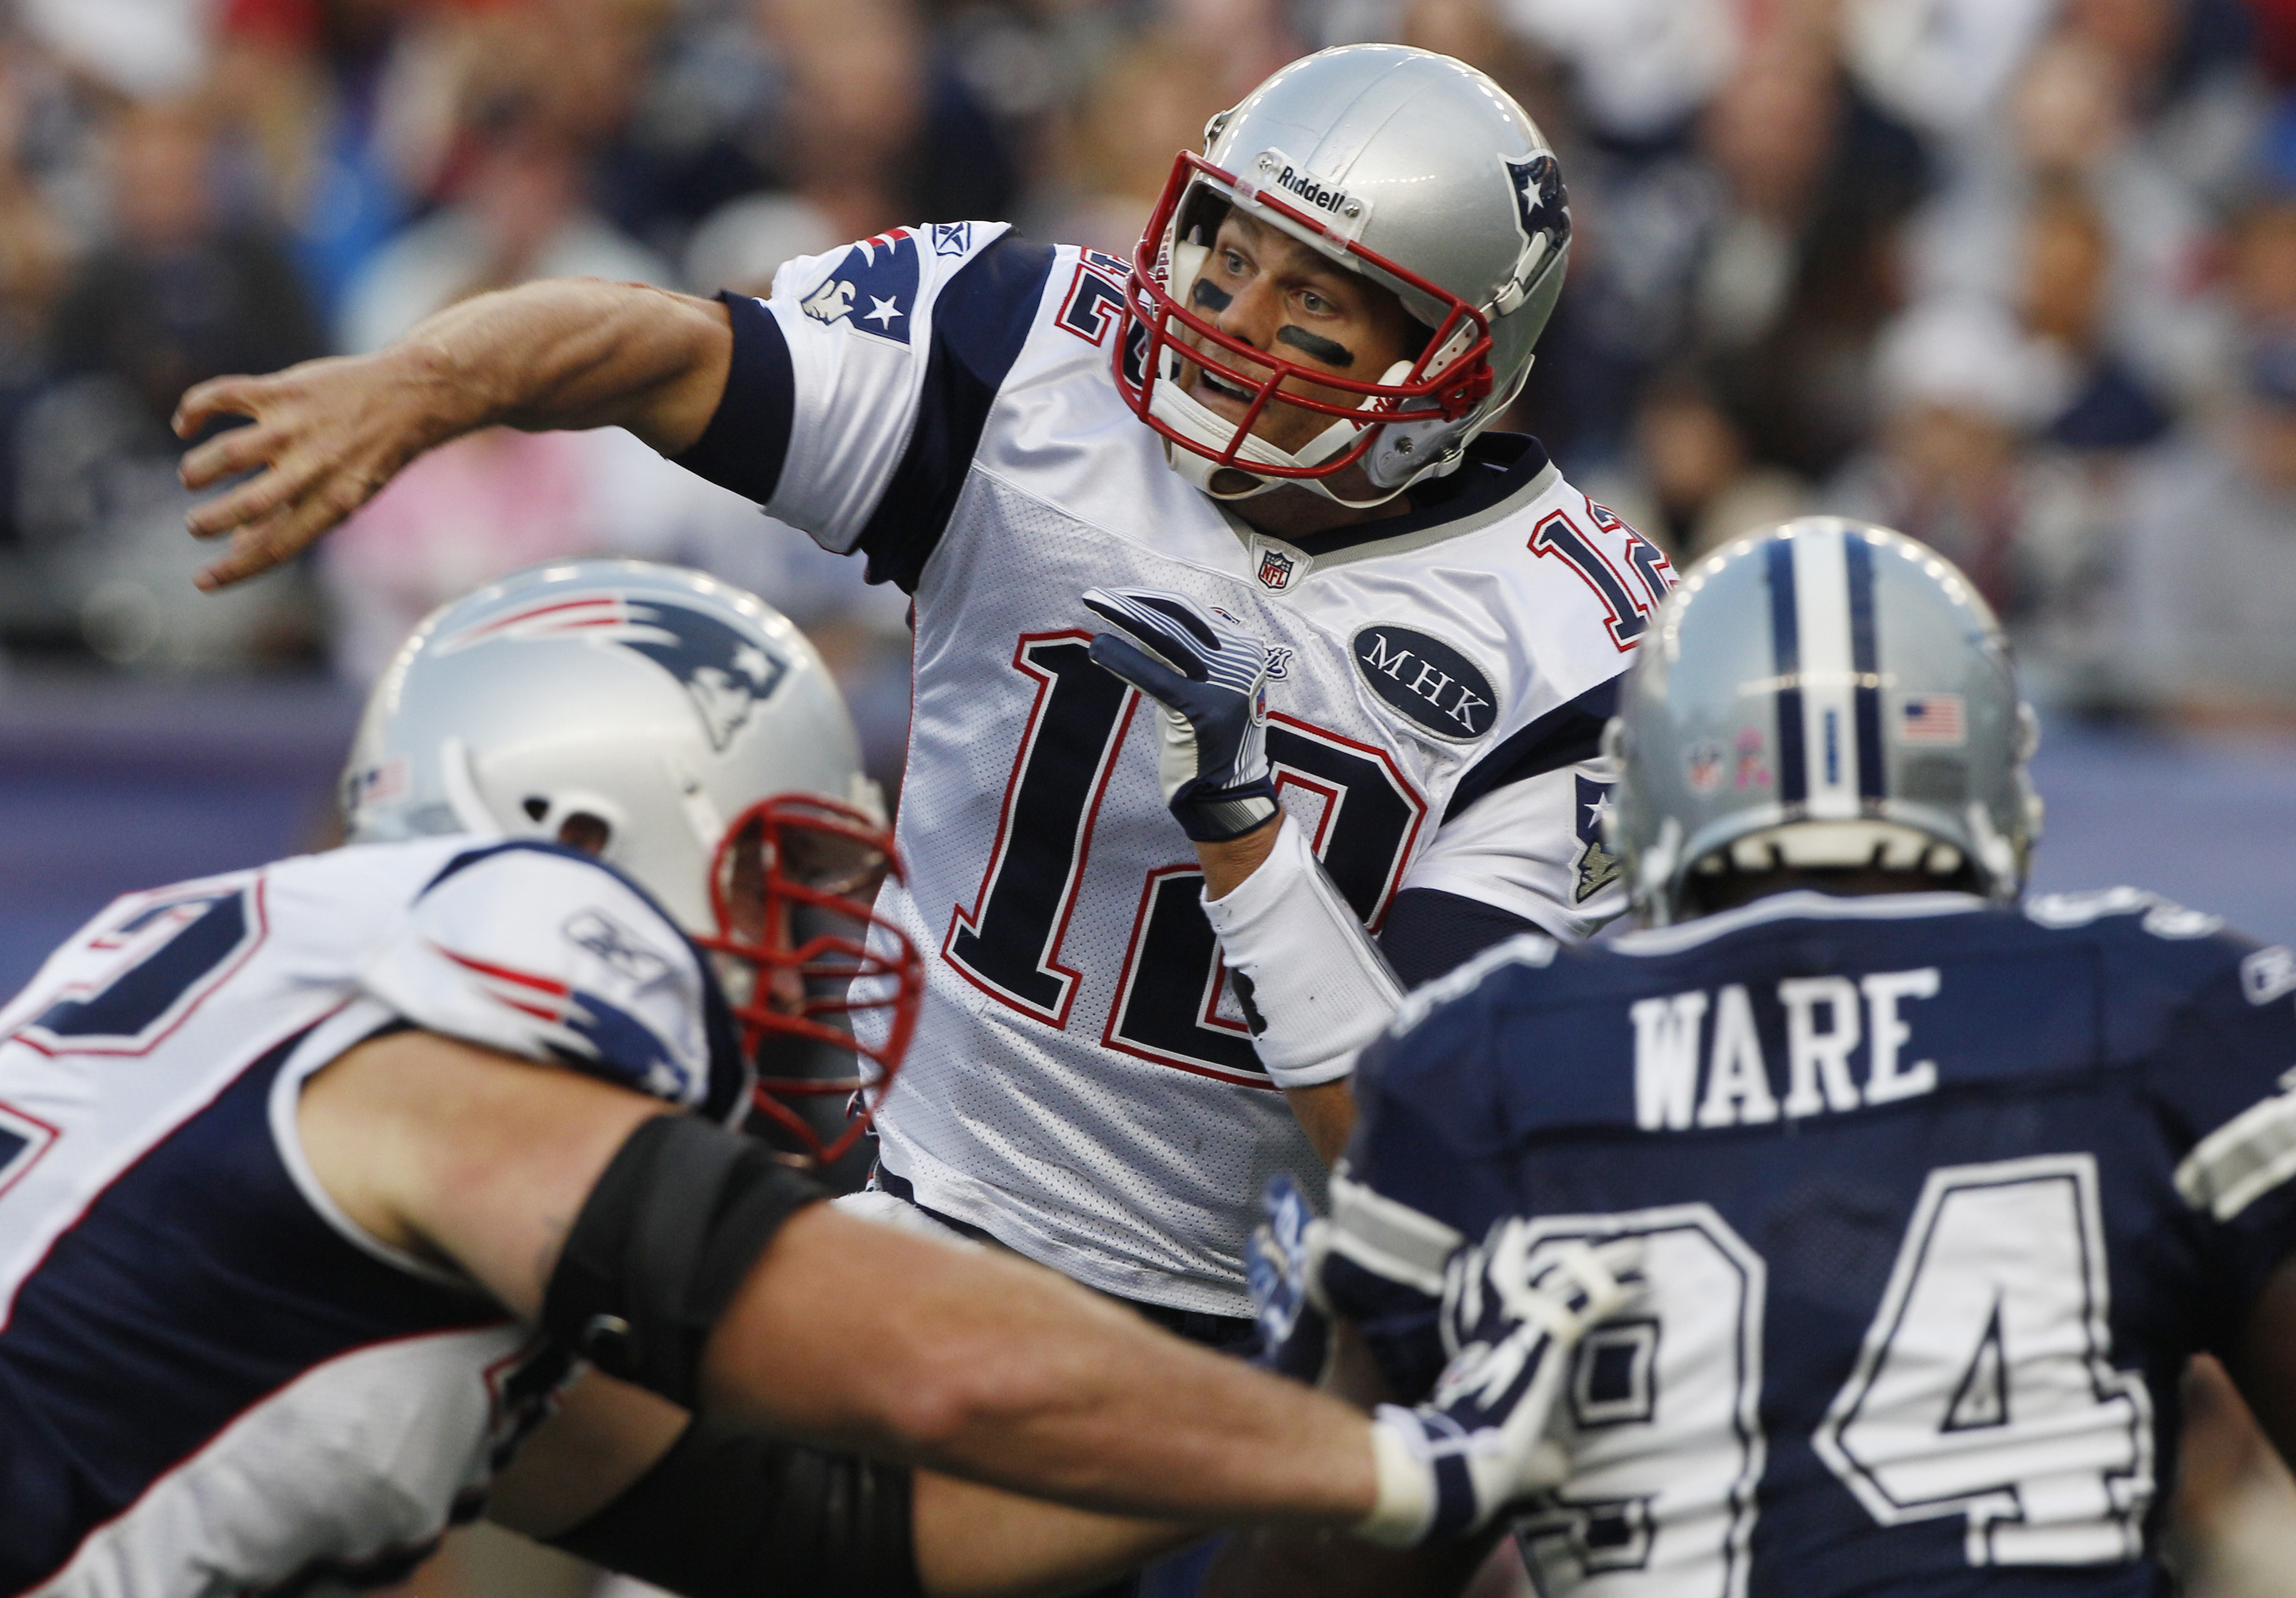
{"x": 1982, "y": 1393}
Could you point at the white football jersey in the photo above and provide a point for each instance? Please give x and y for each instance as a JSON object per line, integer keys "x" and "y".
{"x": 211, "y": 1382}
{"x": 1082, "y": 1084}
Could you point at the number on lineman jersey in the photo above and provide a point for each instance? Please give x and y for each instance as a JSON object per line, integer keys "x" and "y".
{"x": 1166, "y": 1005}
{"x": 1984, "y": 1390}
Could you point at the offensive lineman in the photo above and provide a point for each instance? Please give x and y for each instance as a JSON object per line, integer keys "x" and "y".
{"x": 1938, "y": 1193}
{"x": 1333, "y": 304}
{"x": 313, "y": 1177}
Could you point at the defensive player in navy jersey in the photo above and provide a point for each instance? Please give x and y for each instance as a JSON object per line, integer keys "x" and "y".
{"x": 320, "y": 1183}
{"x": 1281, "y": 414}
{"x": 1938, "y": 1192}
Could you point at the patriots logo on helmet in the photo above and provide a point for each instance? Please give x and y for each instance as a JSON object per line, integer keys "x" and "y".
{"x": 873, "y": 290}
{"x": 1542, "y": 207}
{"x": 723, "y": 672}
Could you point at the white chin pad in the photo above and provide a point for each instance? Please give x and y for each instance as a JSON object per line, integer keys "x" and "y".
{"x": 1185, "y": 415}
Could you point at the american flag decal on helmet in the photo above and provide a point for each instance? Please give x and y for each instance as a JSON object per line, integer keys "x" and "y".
{"x": 1931, "y": 719}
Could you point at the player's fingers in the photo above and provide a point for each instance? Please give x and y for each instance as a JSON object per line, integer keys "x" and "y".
{"x": 254, "y": 550}
{"x": 202, "y": 403}
{"x": 247, "y": 505}
{"x": 1149, "y": 627}
{"x": 1137, "y": 667}
{"x": 270, "y": 540}
{"x": 228, "y": 454}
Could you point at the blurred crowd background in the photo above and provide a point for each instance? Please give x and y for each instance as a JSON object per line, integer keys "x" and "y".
{"x": 2017, "y": 276}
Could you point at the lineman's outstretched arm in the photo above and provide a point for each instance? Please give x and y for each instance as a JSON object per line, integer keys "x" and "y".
{"x": 594, "y": 1479}
{"x": 848, "y": 1334}
{"x": 1292, "y": 1562}
{"x": 325, "y": 435}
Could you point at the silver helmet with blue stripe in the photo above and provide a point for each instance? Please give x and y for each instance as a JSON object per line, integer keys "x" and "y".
{"x": 1824, "y": 695}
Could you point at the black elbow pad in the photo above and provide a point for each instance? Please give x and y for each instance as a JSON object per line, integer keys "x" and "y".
{"x": 662, "y": 1243}
{"x": 729, "y": 1514}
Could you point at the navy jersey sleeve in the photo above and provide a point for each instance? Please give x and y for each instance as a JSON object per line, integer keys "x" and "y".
{"x": 1429, "y": 933}
{"x": 857, "y": 393}
{"x": 2225, "y": 1079}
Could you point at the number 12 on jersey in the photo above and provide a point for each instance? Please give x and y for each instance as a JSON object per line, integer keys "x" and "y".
{"x": 1165, "y": 1009}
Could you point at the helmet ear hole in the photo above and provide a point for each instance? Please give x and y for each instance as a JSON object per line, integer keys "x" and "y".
{"x": 582, "y": 831}
{"x": 535, "y": 805}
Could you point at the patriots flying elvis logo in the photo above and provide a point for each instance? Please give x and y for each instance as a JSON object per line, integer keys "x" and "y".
{"x": 724, "y": 673}
{"x": 1542, "y": 207}
{"x": 873, "y": 290}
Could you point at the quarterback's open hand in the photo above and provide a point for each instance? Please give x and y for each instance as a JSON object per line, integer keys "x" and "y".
{"x": 323, "y": 439}
{"x": 1510, "y": 1325}
{"x": 1211, "y": 677}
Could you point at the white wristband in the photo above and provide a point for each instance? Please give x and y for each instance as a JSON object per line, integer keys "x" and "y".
{"x": 1405, "y": 1506}
{"x": 1316, "y": 979}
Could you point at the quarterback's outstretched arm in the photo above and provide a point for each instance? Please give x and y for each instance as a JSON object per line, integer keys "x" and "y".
{"x": 324, "y": 437}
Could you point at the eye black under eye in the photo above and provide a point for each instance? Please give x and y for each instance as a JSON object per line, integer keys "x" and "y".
{"x": 1208, "y": 293}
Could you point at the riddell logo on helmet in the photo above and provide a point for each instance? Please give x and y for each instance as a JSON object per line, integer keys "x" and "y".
{"x": 1307, "y": 189}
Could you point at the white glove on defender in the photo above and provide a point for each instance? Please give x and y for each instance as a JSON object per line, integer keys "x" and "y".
{"x": 1478, "y": 1446}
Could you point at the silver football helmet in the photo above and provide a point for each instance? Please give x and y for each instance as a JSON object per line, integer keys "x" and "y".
{"x": 1826, "y": 695}
{"x": 688, "y": 733}
{"x": 1409, "y": 167}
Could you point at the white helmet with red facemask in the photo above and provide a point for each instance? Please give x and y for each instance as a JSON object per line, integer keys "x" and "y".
{"x": 1411, "y": 168}
{"x": 686, "y": 732}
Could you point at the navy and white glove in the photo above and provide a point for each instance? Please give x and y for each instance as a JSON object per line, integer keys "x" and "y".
{"x": 1478, "y": 1445}
{"x": 1211, "y": 677}
{"x": 1281, "y": 1265}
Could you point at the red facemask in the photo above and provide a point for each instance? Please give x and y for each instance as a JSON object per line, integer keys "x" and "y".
{"x": 1451, "y": 376}
{"x": 791, "y": 891}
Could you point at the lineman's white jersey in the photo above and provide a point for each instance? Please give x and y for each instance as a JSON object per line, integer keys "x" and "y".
{"x": 211, "y": 1382}
{"x": 1082, "y": 1085}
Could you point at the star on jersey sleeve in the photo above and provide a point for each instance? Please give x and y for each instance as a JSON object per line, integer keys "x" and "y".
{"x": 858, "y": 391}
{"x": 543, "y": 953}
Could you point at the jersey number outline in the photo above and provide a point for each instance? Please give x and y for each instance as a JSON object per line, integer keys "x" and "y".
{"x": 173, "y": 951}
{"x": 1093, "y": 304}
{"x": 1983, "y": 1389}
{"x": 1170, "y": 992}
{"x": 1008, "y": 944}
{"x": 1992, "y": 1340}
{"x": 1627, "y": 603}
{"x": 1655, "y": 1439}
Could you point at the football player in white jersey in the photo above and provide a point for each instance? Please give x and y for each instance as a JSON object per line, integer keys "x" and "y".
{"x": 315, "y": 1179}
{"x": 1278, "y": 412}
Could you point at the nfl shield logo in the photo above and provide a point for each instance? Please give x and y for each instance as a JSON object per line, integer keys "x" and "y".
{"x": 1276, "y": 569}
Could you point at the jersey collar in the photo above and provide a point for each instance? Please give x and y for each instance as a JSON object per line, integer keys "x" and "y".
{"x": 1799, "y": 903}
{"x": 1503, "y": 472}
